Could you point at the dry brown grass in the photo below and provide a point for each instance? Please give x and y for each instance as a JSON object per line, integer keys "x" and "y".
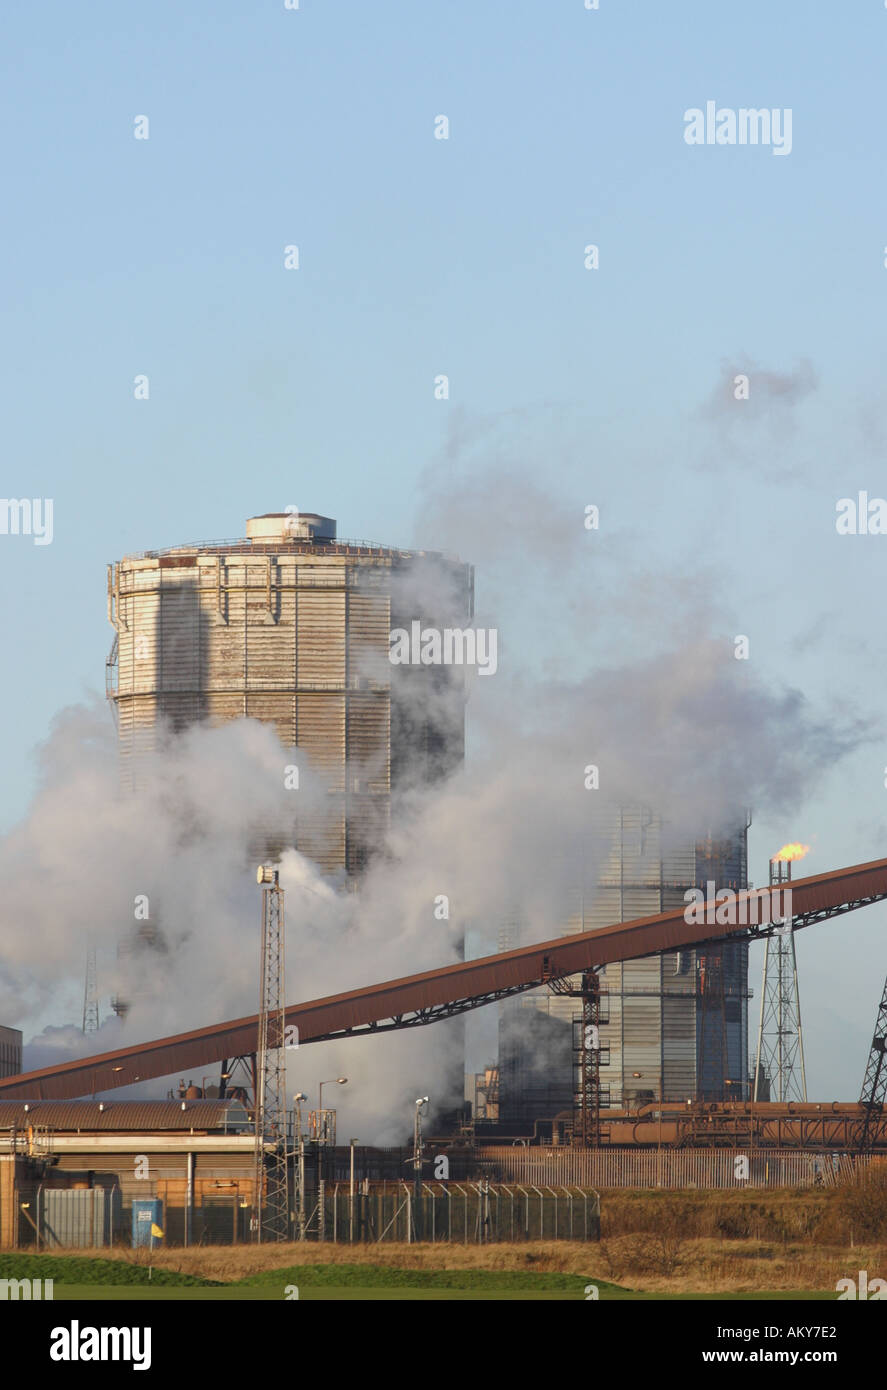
{"x": 715, "y": 1266}
{"x": 693, "y": 1240}
{"x": 737, "y": 1266}
{"x": 762, "y": 1214}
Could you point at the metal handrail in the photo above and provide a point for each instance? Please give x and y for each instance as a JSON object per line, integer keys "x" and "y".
{"x": 289, "y": 544}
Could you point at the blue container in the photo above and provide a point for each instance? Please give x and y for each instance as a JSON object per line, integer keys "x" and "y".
{"x": 146, "y": 1211}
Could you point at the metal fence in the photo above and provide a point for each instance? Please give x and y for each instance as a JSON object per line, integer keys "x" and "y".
{"x": 670, "y": 1168}
{"x": 461, "y": 1212}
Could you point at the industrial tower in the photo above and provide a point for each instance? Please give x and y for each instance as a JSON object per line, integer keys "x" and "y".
{"x": 780, "y": 1055}
{"x": 590, "y": 1094}
{"x": 90, "y": 995}
{"x": 272, "y": 1213}
{"x": 874, "y": 1087}
{"x": 667, "y": 1026}
{"x": 291, "y": 625}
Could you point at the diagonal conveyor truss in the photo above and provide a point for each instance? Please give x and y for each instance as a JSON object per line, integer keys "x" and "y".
{"x": 453, "y": 989}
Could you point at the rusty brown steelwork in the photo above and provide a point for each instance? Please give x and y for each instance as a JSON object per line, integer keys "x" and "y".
{"x": 481, "y": 981}
{"x": 833, "y": 1125}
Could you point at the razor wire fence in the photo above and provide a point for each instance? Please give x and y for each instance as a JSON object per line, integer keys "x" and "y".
{"x": 669, "y": 1168}
{"x": 470, "y": 1213}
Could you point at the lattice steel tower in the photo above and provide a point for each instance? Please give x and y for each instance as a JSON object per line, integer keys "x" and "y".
{"x": 272, "y": 1213}
{"x": 874, "y": 1086}
{"x": 90, "y": 996}
{"x": 780, "y": 1040}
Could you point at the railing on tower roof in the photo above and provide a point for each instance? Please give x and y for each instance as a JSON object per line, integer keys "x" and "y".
{"x": 296, "y": 545}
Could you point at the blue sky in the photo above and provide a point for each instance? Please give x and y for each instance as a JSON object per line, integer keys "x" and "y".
{"x": 419, "y": 256}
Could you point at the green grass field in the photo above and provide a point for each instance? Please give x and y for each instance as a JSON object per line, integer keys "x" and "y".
{"x": 329, "y": 1293}
{"x": 79, "y": 1278}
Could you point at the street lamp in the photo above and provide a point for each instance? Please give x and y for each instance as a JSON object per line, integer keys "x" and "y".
{"x": 300, "y": 1150}
{"x": 297, "y": 1116}
{"x": 351, "y": 1197}
{"x": 333, "y": 1081}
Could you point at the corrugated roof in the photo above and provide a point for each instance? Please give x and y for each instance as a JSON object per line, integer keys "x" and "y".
{"x": 143, "y": 1116}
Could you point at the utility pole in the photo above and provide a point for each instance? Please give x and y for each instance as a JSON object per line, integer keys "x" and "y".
{"x": 272, "y": 1216}
{"x": 299, "y": 1137}
{"x": 351, "y": 1197}
{"x": 417, "y": 1167}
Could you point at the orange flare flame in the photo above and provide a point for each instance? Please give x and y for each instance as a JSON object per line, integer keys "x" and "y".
{"x": 789, "y": 852}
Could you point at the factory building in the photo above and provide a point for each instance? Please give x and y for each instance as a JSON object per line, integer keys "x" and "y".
{"x": 673, "y": 1026}
{"x": 70, "y": 1171}
{"x": 81, "y": 1174}
{"x": 291, "y": 626}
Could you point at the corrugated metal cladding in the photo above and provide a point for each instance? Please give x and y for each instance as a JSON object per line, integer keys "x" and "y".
{"x": 161, "y": 1175}
{"x": 163, "y": 1165}
{"x": 76, "y": 1117}
{"x": 296, "y": 635}
{"x": 650, "y": 1045}
{"x": 10, "y": 1051}
{"x": 123, "y": 1165}
{"x": 79, "y": 1218}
